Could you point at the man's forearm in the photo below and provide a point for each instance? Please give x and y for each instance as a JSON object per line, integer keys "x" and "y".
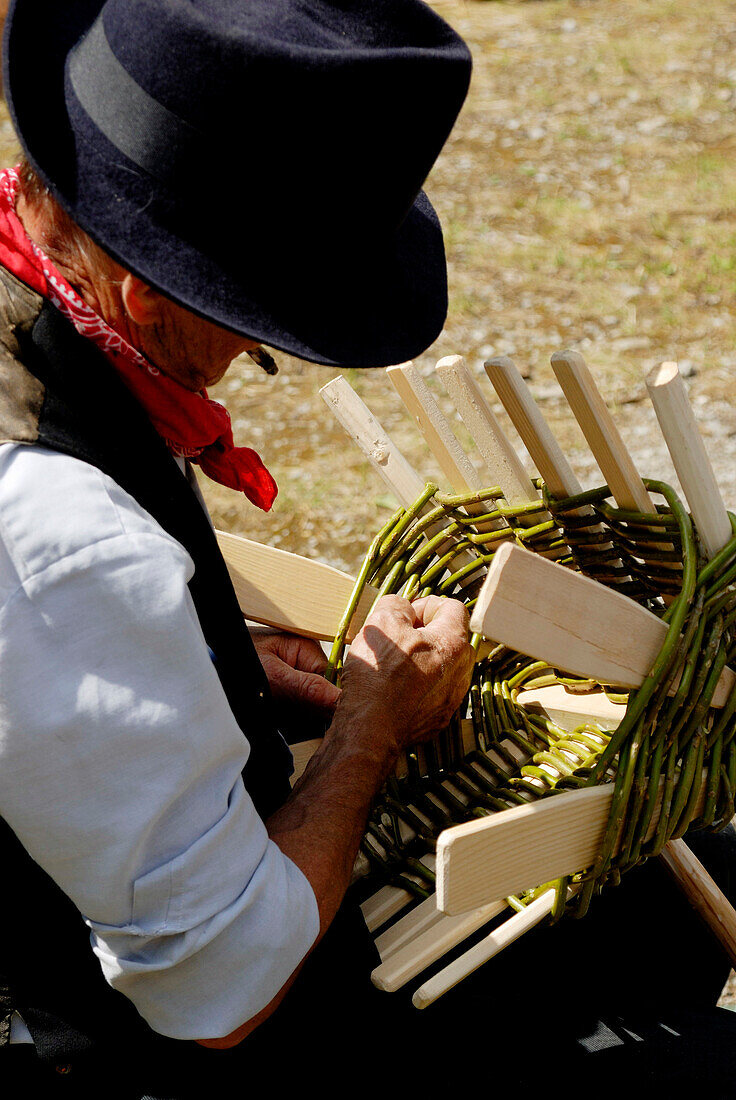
{"x": 320, "y": 827}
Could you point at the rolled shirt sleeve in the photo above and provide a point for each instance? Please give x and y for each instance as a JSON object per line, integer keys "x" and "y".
{"x": 120, "y": 759}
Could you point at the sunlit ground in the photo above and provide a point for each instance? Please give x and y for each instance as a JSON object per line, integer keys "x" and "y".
{"x": 587, "y": 195}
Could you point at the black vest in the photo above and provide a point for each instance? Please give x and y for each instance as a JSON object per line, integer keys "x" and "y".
{"x": 56, "y": 388}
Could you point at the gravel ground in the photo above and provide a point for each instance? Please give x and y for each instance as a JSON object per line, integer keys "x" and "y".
{"x": 588, "y": 200}
{"x": 587, "y": 195}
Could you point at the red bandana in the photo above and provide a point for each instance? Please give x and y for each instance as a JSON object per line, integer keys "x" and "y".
{"x": 192, "y": 425}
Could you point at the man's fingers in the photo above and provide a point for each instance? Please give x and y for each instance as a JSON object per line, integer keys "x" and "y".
{"x": 395, "y": 606}
{"x": 308, "y": 688}
{"x": 443, "y": 614}
{"x": 447, "y": 624}
{"x": 303, "y": 653}
{"x": 313, "y": 690}
{"x": 308, "y": 656}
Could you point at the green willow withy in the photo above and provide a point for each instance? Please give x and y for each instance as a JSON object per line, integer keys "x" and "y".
{"x": 497, "y": 754}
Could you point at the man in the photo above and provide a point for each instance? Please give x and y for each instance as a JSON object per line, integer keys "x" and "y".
{"x": 203, "y": 176}
{"x": 133, "y": 273}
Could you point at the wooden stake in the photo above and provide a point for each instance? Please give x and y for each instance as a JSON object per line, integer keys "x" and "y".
{"x": 704, "y": 895}
{"x": 421, "y": 918}
{"x": 520, "y": 848}
{"x": 600, "y": 430}
{"x": 503, "y": 463}
{"x": 609, "y": 450}
{"x": 424, "y": 410}
{"x": 482, "y": 952}
{"x": 546, "y": 454}
{"x": 454, "y": 463}
{"x": 375, "y": 443}
{"x": 568, "y": 710}
{"x": 383, "y": 905}
{"x": 674, "y": 412}
{"x": 429, "y": 945}
{"x": 385, "y": 457}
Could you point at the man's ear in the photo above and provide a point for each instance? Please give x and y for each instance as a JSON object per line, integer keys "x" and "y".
{"x": 142, "y": 303}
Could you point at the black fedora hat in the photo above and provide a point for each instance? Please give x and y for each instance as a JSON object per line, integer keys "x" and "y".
{"x": 258, "y": 161}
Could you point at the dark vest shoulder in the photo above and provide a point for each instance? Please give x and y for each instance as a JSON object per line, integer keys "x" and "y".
{"x": 21, "y": 394}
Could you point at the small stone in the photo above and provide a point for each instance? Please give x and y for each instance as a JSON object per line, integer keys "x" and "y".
{"x": 687, "y": 367}
{"x": 630, "y": 343}
{"x": 649, "y": 125}
{"x": 633, "y": 397}
{"x": 550, "y": 392}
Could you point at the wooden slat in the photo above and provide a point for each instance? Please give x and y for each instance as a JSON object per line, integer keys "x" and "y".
{"x": 383, "y": 905}
{"x": 389, "y": 900}
{"x": 703, "y": 893}
{"x": 293, "y": 593}
{"x": 522, "y": 847}
{"x": 424, "y": 410}
{"x": 554, "y": 614}
{"x": 542, "y": 609}
{"x": 616, "y": 464}
{"x": 372, "y": 439}
{"x": 429, "y": 945}
{"x": 484, "y": 951}
{"x": 383, "y": 454}
{"x": 569, "y": 710}
{"x": 536, "y": 436}
{"x": 439, "y": 437}
{"x": 422, "y": 917}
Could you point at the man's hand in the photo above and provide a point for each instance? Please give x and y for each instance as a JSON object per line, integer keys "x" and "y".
{"x": 294, "y": 667}
{"x": 408, "y": 670}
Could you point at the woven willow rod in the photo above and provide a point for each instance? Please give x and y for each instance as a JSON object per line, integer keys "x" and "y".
{"x": 520, "y": 755}
{"x": 685, "y": 444}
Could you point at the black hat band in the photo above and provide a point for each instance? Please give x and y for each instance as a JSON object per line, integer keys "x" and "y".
{"x": 141, "y": 128}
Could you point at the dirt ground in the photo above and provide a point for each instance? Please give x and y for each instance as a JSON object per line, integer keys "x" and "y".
{"x": 587, "y": 195}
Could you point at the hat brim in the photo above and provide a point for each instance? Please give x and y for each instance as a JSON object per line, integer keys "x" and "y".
{"x": 370, "y": 305}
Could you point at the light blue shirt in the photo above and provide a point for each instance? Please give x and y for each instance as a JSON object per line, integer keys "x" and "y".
{"x": 120, "y": 759}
